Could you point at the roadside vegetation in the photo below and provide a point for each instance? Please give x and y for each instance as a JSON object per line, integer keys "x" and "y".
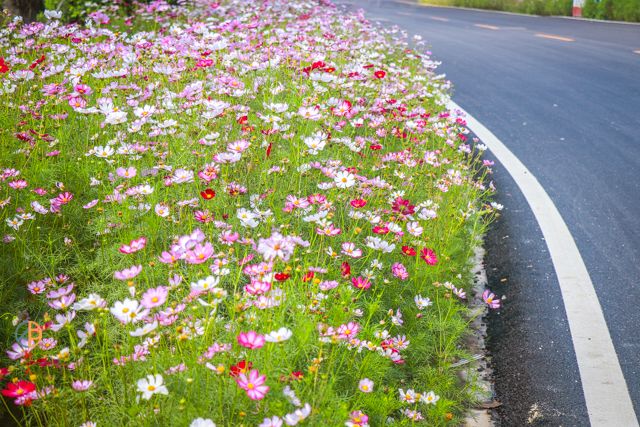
{"x": 223, "y": 213}
{"x": 618, "y": 10}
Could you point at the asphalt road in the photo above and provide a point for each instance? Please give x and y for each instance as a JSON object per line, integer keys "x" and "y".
{"x": 564, "y": 96}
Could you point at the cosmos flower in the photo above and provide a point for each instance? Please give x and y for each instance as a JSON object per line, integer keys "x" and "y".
{"x": 251, "y": 340}
{"x": 152, "y": 384}
{"x": 365, "y": 385}
{"x": 280, "y": 335}
{"x": 253, "y": 384}
{"x": 491, "y": 300}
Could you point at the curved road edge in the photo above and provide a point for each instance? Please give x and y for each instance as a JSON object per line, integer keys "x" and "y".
{"x": 605, "y": 390}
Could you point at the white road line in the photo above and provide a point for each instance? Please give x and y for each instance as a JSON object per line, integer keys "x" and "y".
{"x": 605, "y": 390}
{"x": 486, "y": 27}
{"x": 554, "y": 37}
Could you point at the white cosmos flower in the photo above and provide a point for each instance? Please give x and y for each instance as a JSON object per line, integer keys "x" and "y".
{"x": 53, "y": 14}
{"x": 205, "y": 285}
{"x": 274, "y": 421}
{"x": 247, "y": 218}
{"x": 128, "y": 311}
{"x": 422, "y": 302}
{"x": 116, "y": 117}
{"x": 344, "y": 179}
{"x": 298, "y": 415}
{"x": 429, "y": 398}
{"x": 202, "y": 422}
{"x": 146, "y": 329}
{"x": 91, "y": 302}
{"x": 414, "y": 228}
{"x": 280, "y": 335}
{"x": 103, "y": 152}
{"x": 152, "y": 384}
{"x": 315, "y": 142}
{"x": 377, "y": 243}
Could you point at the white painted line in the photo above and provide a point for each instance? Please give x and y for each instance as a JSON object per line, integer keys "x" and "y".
{"x": 486, "y": 26}
{"x": 605, "y": 390}
{"x": 554, "y": 37}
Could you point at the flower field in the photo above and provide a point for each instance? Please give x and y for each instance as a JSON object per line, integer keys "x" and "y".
{"x": 236, "y": 213}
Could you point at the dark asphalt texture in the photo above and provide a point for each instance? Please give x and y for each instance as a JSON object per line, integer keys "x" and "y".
{"x": 570, "y": 111}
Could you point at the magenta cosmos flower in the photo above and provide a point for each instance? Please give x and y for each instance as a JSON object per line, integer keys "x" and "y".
{"x": 361, "y": 283}
{"x": 154, "y": 297}
{"x": 251, "y": 340}
{"x": 253, "y": 384}
{"x": 429, "y": 256}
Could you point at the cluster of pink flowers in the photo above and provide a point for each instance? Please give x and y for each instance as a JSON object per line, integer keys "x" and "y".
{"x": 257, "y": 205}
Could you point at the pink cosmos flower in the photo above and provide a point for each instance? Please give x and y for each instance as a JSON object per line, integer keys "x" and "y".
{"x": 199, "y": 254}
{"x": 350, "y": 249}
{"x": 429, "y": 256}
{"x": 348, "y": 331}
{"x": 128, "y": 273}
{"x": 490, "y": 298}
{"x": 90, "y": 204}
{"x": 134, "y": 246}
{"x": 251, "y": 340}
{"x": 81, "y": 385}
{"x": 154, "y": 297}
{"x": 257, "y": 287}
{"x": 399, "y": 271}
{"x": 357, "y": 419}
{"x": 365, "y": 385}
{"x": 329, "y": 230}
{"x": 327, "y": 285}
{"x": 127, "y": 173}
{"x": 361, "y": 283}
{"x": 228, "y": 237}
{"x": 253, "y": 384}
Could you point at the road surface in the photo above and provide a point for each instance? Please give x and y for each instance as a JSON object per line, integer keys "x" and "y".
{"x": 564, "y": 96}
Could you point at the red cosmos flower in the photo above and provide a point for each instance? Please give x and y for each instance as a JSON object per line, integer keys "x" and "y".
{"x": 18, "y": 389}
{"x": 208, "y": 194}
{"x": 318, "y": 64}
{"x": 403, "y": 206}
{"x": 381, "y": 229}
{"x": 380, "y": 74}
{"x": 3, "y": 372}
{"x": 368, "y": 66}
{"x": 361, "y": 283}
{"x": 269, "y": 149}
{"x": 408, "y": 250}
{"x": 429, "y": 256}
{"x": 358, "y": 203}
{"x": 3, "y": 66}
{"x": 297, "y": 375}
{"x": 242, "y": 120}
{"x": 282, "y": 277}
{"x": 36, "y": 62}
{"x": 375, "y": 147}
{"x": 329, "y": 70}
{"x": 242, "y": 367}
{"x": 308, "y": 276}
{"x": 345, "y": 268}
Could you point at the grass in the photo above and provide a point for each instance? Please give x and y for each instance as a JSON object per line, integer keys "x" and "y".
{"x": 618, "y": 10}
{"x": 181, "y": 184}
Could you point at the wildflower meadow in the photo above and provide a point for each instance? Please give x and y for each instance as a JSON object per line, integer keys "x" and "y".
{"x": 233, "y": 213}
